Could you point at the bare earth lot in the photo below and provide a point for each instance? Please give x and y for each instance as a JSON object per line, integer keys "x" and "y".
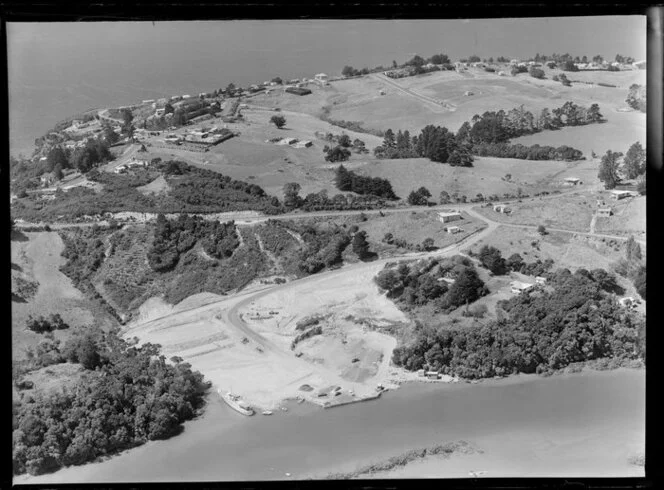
{"x": 39, "y": 258}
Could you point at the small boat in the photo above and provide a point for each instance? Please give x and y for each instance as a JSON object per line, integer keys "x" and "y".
{"x": 267, "y": 412}
{"x": 284, "y": 409}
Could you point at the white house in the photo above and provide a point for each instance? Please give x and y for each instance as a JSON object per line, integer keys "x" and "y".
{"x": 453, "y": 229}
{"x": 447, "y": 217}
{"x": 540, "y": 280}
{"x": 573, "y": 180}
{"x": 604, "y": 212}
{"x": 321, "y": 78}
{"x": 519, "y": 287}
{"x": 617, "y": 194}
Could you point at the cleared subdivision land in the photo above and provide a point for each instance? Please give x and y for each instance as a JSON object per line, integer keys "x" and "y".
{"x": 36, "y": 257}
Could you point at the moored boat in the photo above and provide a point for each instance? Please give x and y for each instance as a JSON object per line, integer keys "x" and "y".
{"x": 267, "y": 412}
{"x": 236, "y": 403}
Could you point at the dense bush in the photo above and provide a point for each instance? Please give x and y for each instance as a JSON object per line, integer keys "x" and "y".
{"x": 337, "y": 154}
{"x": 347, "y": 180}
{"x": 135, "y": 397}
{"x": 191, "y": 190}
{"x": 491, "y": 258}
{"x": 547, "y": 330}
{"x": 175, "y": 237}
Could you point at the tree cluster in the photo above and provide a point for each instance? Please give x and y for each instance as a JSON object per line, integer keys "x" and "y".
{"x": 636, "y": 98}
{"x": 541, "y": 331}
{"x": 172, "y": 238}
{"x": 134, "y": 396}
{"x": 348, "y": 181}
{"x": 422, "y": 284}
{"x": 42, "y": 325}
{"x": 420, "y": 197}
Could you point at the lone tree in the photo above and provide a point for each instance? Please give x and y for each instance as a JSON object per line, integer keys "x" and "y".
{"x": 608, "y": 169}
{"x": 635, "y": 161}
{"x": 427, "y": 244}
{"x": 360, "y": 244}
{"x": 278, "y": 121}
{"x": 541, "y": 230}
{"x": 291, "y": 195}
{"x": 419, "y": 197}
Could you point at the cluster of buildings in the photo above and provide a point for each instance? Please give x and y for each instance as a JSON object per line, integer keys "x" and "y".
{"x": 294, "y": 142}
{"x": 203, "y": 137}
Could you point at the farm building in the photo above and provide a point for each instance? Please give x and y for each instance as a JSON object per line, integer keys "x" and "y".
{"x": 573, "y": 181}
{"x": 604, "y": 212}
{"x": 540, "y": 280}
{"x": 432, "y": 375}
{"x": 298, "y": 90}
{"x": 303, "y": 144}
{"x": 452, "y": 229}
{"x": 287, "y": 141}
{"x": 617, "y": 195}
{"x": 467, "y": 93}
{"x": 447, "y": 217}
{"x": 518, "y": 287}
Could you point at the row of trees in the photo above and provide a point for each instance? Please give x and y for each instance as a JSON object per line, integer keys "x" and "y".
{"x": 130, "y": 395}
{"x": 522, "y": 152}
{"x": 489, "y": 135}
{"x": 348, "y": 181}
{"x": 43, "y": 325}
{"x": 539, "y": 331}
{"x": 501, "y": 126}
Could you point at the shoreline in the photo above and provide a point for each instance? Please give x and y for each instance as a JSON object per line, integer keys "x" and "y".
{"x": 589, "y": 437}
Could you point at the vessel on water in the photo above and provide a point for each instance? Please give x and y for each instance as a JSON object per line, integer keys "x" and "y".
{"x": 236, "y": 403}
{"x": 267, "y": 412}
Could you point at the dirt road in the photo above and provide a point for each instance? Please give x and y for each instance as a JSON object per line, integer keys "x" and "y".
{"x": 423, "y": 98}
{"x": 475, "y": 214}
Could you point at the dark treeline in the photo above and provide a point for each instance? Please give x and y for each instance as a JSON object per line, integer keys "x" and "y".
{"x": 175, "y": 237}
{"x": 540, "y": 331}
{"x": 127, "y": 396}
{"x": 489, "y": 135}
{"x": 348, "y": 181}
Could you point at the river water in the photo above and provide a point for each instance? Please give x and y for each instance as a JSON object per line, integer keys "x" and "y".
{"x": 587, "y": 412}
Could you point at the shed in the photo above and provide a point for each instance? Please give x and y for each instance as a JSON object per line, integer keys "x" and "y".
{"x": 502, "y": 208}
{"x": 449, "y": 216}
{"x": 573, "y": 180}
{"x": 604, "y": 212}
{"x": 453, "y": 229}
{"x": 540, "y": 280}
